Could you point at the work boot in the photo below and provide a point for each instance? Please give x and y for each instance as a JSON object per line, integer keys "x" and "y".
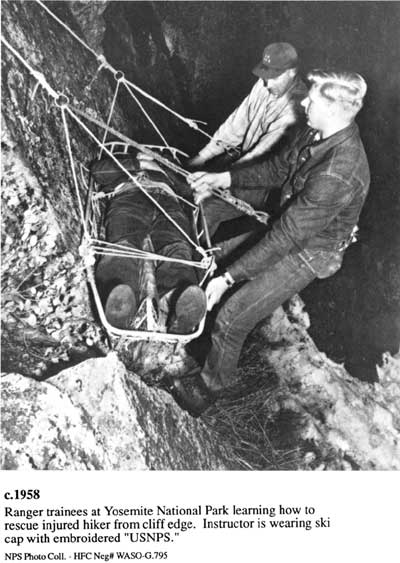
{"x": 121, "y": 306}
{"x": 190, "y": 307}
{"x": 190, "y": 393}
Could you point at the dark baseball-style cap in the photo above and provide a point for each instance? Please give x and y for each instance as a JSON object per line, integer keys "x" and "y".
{"x": 277, "y": 58}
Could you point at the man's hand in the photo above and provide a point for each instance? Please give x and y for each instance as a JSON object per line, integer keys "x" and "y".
{"x": 203, "y": 183}
{"x": 147, "y": 162}
{"x": 214, "y": 291}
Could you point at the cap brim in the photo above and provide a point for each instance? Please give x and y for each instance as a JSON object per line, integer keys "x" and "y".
{"x": 266, "y": 72}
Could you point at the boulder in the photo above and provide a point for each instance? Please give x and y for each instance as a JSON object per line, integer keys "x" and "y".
{"x": 99, "y": 416}
{"x": 342, "y": 422}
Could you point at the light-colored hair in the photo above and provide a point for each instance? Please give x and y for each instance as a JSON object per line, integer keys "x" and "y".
{"x": 345, "y": 88}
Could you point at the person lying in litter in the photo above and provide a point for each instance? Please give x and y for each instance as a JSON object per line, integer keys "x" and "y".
{"x": 130, "y": 218}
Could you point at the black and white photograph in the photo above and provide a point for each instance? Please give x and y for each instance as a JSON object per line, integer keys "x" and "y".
{"x": 200, "y": 280}
{"x": 200, "y": 236}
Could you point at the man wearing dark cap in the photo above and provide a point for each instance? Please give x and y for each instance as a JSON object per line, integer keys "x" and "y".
{"x": 265, "y": 114}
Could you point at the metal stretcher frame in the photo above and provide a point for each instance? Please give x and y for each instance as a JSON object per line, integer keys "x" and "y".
{"x": 94, "y": 223}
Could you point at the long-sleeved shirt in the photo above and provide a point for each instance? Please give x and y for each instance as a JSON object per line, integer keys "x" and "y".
{"x": 259, "y": 122}
{"x": 324, "y": 185}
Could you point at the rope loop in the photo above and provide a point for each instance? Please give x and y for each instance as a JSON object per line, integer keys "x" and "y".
{"x": 206, "y": 262}
{"x": 105, "y": 64}
{"x": 35, "y": 89}
{"x": 192, "y": 123}
{"x": 119, "y": 75}
{"x": 62, "y": 101}
{"x": 102, "y": 60}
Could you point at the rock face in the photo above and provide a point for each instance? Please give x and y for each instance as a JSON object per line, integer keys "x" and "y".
{"x": 98, "y": 416}
{"x": 88, "y": 14}
{"x": 32, "y": 118}
{"x": 45, "y": 295}
{"x": 343, "y": 423}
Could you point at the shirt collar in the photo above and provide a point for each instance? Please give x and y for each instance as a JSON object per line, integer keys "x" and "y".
{"x": 320, "y": 147}
{"x": 292, "y": 86}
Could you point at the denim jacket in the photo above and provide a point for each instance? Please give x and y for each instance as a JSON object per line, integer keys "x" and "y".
{"x": 324, "y": 185}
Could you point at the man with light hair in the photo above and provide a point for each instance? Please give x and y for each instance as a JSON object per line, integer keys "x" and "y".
{"x": 324, "y": 178}
{"x": 345, "y": 88}
{"x": 263, "y": 117}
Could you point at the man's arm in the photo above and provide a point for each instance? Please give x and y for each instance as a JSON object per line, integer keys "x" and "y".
{"x": 231, "y": 132}
{"x": 316, "y": 206}
{"x": 275, "y": 131}
{"x": 270, "y": 173}
{"x": 288, "y": 111}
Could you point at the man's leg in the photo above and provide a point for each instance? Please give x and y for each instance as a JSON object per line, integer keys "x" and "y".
{"x": 170, "y": 242}
{"x": 128, "y": 220}
{"x": 177, "y": 281}
{"x": 217, "y": 211}
{"x": 113, "y": 270}
{"x": 251, "y": 303}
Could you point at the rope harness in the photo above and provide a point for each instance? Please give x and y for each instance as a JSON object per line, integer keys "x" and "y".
{"x": 91, "y": 244}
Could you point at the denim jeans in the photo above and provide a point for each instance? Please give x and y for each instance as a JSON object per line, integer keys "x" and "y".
{"x": 254, "y": 300}
{"x": 130, "y": 217}
{"x": 216, "y": 210}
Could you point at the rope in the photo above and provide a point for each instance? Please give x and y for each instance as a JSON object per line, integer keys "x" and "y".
{"x": 71, "y": 160}
{"x": 193, "y": 123}
{"x": 147, "y": 183}
{"x": 135, "y": 181}
{"x": 164, "y": 140}
{"x": 38, "y": 75}
{"x": 225, "y": 195}
{"x": 64, "y": 107}
{"x": 109, "y": 117}
{"x": 56, "y": 95}
{"x": 65, "y": 26}
{"x": 112, "y": 249}
{"x": 105, "y": 64}
{"x": 241, "y": 205}
{"x": 173, "y": 150}
{"x": 222, "y": 194}
{"x": 142, "y": 148}
{"x": 87, "y": 255}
